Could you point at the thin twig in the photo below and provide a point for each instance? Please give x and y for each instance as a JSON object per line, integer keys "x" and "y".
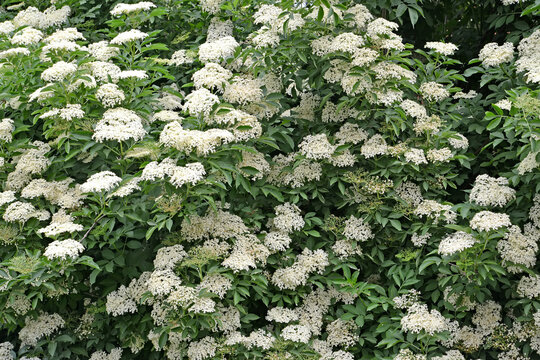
{"x": 91, "y": 227}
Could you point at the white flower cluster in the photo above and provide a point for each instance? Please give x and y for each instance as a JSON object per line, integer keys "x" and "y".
{"x": 528, "y": 164}
{"x": 489, "y": 191}
{"x": 216, "y": 283}
{"x": 316, "y": 147}
{"x": 420, "y": 240}
{"x": 534, "y": 211}
{"x": 433, "y": 92}
{"x": 58, "y": 71}
{"x": 102, "y": 181}
{"x": 6, "y": 27}
{"x": 6, "y": 349}
{"x": 27, "y": 36}
{"x": 167, "y": 257}
{"x": 6, "y": 130}
{"x": 52, "y": 16}
{"x": 115, "y": 354}
{"x": 529, "y": 286}
{"x": 125, "y": 299}
{"x": 413, "y": 109}
{"x": 331, "y": 113}
{"x": 207, "y": 346}
{"x": 487, "y": 316}
{"x": 419, "y": 318}
{"x": 126, "y": 9}
{"x": 247, "y": 251}
{"x": 200, "y": 102}
{"x": 439, "y": 155}
{"x": 357, "y": 229}
{"x": 7, "y": 197}
{"x": 67, "y": 34}
{"x": 129, "y": 36}
{"x": 376, "y": 145}
{"x": 325, "y": 351}
{"x": 409, "y": 192}
{"x": 258, "y": 338}
{"x": 61, "y": 223}
{"x": 212, "y": 76}
{"x": 56, "y": 192}
{"x": 21, "y": 212}
{"x": 288, "y": 218}
{"x": 518, "y": 249}
{"x": 110, "y": 95}
{"x": 212, "y": 7}
{"x": 35, "y": 329}
{"x": 214, "y": 51}
{"x": 458, "y": 141}
{"x": 306, "y": 109}
{"x": 102, "y": 51}
{"x": 14, "y": 52}
{"x": 68, "y": 113}
{"x": 450, "y": 355}
{"x": 342, "y": 333}
{"x": 32, "y": 161}
{"x": 495, "y": 55}
{"x": 119, "y": 124}
{"x": 243, "y": 90}
{"x": 63, "y": 249}
{"x": 133, "y": 74}
{"x": 204, "y": 142}
{"x": 415, "y": 156}
{"x": 434, "y": 210}
{"x": 127, "y": 188}
{"x": 455, "y": 243}
{"x": 178, "y": 175}
{"x": 487, "y": 221}
{"x": 361, "y": 14}
{"x": 219, "y": 224}
{"x": 219, "y": 28}
{"x": 181, "y": 57}
{"x": 282, "y": 315}
{"x": 381, "y": 32}
{"x": 162, "y": 282}
{"x": 297, "y": 333}
{"x": 529, "y": 56}
{"x": 428, "y": 124}
{"x": 447, "y": 49}
{"x": 407, "y": 354}
{"x": 101, "y": 71}
{"x": 407, "y": 300}
{"x": 277, "y": 241}
{"x": 297, "y": 274}
{"x": 166, "y": 116}
{"x": 343, "y": 159}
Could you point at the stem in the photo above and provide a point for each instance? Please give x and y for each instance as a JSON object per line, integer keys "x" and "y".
{"x": 100, "y": 216}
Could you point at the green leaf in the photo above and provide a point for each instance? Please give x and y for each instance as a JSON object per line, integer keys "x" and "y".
{"x": 133, "y": 244}
{"x": 163, "y": 339}
{"x": 396, "y": 224}
{"x": 494, "y": 123}
{"x": 52, "y": 348}
{"x": 428, "y": 262}
{"x": 401, "y": 10}
{"x": 413, "y": 14}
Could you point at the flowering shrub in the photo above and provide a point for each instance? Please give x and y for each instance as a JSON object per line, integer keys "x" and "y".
{"x": 262, "y": 180}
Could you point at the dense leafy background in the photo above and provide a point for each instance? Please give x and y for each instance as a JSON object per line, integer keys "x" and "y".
{"x": 122, "y": 235}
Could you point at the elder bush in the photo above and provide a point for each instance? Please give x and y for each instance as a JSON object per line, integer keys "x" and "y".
{"x": 268, "y": 180}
